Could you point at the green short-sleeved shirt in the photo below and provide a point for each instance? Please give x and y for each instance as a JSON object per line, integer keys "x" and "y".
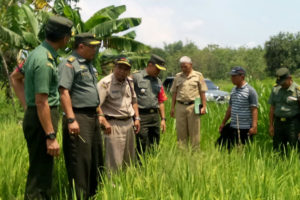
{"x": 147, "y": 89}
{"x": 80, "y": 77}
{"x": 41, "y": 75}
{"x": 285, "y": 101}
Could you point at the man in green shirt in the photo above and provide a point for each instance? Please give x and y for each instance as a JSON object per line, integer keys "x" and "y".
{"x": 150, "y": 95}
{"x": 82, "y": 142}
{"x": 285, "y": 111}
{"x": 42, "y": 100}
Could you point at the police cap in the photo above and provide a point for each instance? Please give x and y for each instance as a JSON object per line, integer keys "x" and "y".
{"x": 158, "y": 62}
{"x": 59, "y": 25}
{"x": 282, "y": 74}
{"x": 87, "y": 39}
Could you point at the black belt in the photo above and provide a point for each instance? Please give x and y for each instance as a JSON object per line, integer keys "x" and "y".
{"x": 148, "y": 111}
{"x": 34, "y": 107}
{"x": 186, "y": 102}
{"x": 91, "y": 110}
{"x": 116, "y": 118}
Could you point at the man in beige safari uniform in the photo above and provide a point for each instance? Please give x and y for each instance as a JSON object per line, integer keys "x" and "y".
{"x": 118, "y": 102}
{"x": 187, "y": 86}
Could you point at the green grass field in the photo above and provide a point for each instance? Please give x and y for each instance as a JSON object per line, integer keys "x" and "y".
{"x": 255, "y": 172}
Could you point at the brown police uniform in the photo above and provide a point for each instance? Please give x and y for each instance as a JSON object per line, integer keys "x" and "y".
{"x": 116, "y": 99}
{"x": 187, "y": 122}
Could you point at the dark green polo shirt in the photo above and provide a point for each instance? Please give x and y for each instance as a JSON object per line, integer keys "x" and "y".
{"x": 285, "y": 100}
{"x": 80, "y": 77}
{"x": 41, "y": 74}
{"x": 147, "y": 89}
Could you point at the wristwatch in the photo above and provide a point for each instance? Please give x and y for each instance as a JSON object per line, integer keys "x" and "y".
{"x": 137, "y": 118}
{"x": 51, "y": 136}
{"x": 71, "y": 120}
{"x": 164, "y": 119}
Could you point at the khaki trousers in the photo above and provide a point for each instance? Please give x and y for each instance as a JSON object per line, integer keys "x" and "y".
{"x": 120, "y": 144}
{"x": 187, "y": 125}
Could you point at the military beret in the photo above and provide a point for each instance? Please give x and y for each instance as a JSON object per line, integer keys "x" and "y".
{"x": 237, "y": 71}
{"x": 123, "y": 60}
{"x": 158, "y": 62}
{"x": 59, "y": 25}
{"x": 86, "y": 38}
{"x": 282, "y": 74}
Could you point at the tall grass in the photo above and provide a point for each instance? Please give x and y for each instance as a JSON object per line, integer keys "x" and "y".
{"x": 255, "y": 172}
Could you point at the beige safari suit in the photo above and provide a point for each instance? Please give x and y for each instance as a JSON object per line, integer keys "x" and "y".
{"x": 116, "y": 100}
{"x": 187, "y": 122}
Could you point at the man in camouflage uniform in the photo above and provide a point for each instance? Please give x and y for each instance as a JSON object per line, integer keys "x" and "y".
{"x": 42, "y": 100}
{"x": 186, "y": 87}
{"x": 284, "y": 111}
{"x": 150, "y": 95}
{"x": 82, "y": 142}
{"x": 119, "y": 104}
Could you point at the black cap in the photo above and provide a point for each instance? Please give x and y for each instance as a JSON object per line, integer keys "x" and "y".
{"x": 123, "y": 60}
{"x": 237, "y": 71}
{"x": 282, "y": 74}
{"x": 86, "y": 38}
{"x": 59, "y": 25}
{"x": 158, "y": 62}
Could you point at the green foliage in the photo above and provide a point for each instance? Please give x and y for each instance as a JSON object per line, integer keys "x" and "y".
{"x": 213, "y": 61}
{"x": 283, "y": 50}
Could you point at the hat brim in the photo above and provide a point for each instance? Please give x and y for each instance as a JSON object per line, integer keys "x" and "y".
{"x": 124, "y": 62}
{"x": 160, "y": 67}
{"x": 280, "y": 81}
{"x": 94, "y": 42}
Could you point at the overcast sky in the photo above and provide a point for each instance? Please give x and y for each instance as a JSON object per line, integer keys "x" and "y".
{"x": 229, "y": 23}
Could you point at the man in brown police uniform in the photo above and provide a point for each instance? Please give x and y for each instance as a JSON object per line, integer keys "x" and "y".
{"x": 42, "y": 100}
{"x": 82, "y": 142}
{"x": 187, "y": 86}
{"x": 119, "y": 104}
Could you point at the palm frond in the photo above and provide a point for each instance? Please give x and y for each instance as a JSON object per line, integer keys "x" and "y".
{"x": 30, "y": 40}
{"x": 115, "y": 26}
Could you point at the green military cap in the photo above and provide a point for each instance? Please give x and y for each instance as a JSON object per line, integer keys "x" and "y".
{"x": 282, "y": 74}
{"x": 59, "y": 25}
{"x": 158, "y": 62}
{"x": 123, "y": 60}
{"x": 87, "y": 38}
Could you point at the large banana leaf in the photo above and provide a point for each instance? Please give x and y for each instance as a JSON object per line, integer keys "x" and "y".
{"x": 131, "y": 35}
{"x": 10, "y": 38}
{"x": 31, "y": 20}
{"x": 115, "y": 26}
{"x": 125, "y": 44}
{"x": 74, "y": 15}
{"x": 30, "y": 39}
{"x": 105, "y": 14}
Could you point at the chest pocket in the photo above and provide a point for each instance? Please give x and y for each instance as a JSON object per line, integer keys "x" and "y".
{"x": 193, "y": 85}
{"x": 85, "y": 75}
{"x": 156, "y": 88}
{"x": 115, "y": 94}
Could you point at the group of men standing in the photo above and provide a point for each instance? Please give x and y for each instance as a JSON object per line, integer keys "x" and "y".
{"x": 130, "y": 110}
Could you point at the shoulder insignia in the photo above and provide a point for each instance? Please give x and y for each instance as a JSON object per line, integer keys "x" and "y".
{"x": 103, "y": 85}
{"x": 69, "y": 65}
{"x": 71, "y": 59}
{"x": 49, "y": 65}
{"x": 82, "y": 67}
{"x": 135, "y": 71}
{"x": 50, "y": 56}
{"x": 298, "y": 88}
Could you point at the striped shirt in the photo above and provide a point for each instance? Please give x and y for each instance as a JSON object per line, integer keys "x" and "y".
{"x": 241, "y": 101}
